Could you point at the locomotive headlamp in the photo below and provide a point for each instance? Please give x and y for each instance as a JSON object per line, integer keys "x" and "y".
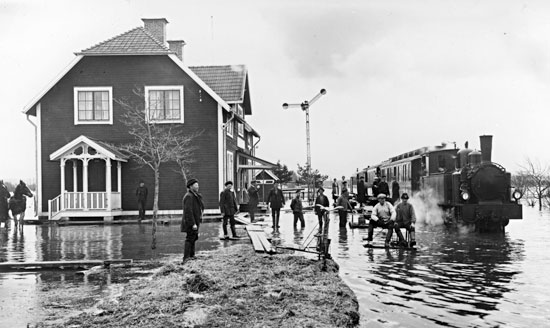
{"x": 517, "y": 195}
{"x": 465, "y": 195}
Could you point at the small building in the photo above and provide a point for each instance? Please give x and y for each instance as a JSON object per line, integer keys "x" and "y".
{"x": 79, "y": 122}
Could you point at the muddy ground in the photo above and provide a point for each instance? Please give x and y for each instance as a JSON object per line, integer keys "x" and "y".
{"x": 229, "y": 287}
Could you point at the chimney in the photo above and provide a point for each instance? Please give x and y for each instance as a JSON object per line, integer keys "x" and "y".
{"x": 486, "y": 144}
{"x": 156, "y": 27}
{"x": 177, "y": 47}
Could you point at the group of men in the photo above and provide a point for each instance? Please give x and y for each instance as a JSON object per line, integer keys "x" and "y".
{"x": 384, "y": 215}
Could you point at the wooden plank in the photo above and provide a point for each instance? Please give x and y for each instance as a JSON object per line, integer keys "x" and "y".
{"x": 254, "y": 227}
{"x": 258, "y": 247}
{"x": 242, "y": 219}
{"x": 58, "y": 264}
{"x": 267, "y": 245}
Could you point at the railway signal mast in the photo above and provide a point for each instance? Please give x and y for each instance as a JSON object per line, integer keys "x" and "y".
{"x": 305, "y": 107}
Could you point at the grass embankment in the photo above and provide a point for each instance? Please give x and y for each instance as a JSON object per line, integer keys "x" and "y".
{"x": 232, "y": 287}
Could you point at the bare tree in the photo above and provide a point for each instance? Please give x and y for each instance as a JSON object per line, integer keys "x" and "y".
{"x": 183, "y": 154}
{"x": 537, "y": 180}
{"x": 153, "y": 144}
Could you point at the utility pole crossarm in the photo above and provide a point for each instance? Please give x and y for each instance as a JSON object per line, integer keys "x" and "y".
{"x": 314, "y": 99}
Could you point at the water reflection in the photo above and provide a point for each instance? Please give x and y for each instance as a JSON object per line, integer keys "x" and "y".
{"x": 452, "y": 279}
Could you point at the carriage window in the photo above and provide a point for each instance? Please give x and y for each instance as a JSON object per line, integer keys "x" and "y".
{"x": 164, "y": 104}
{"x": 93, "y": 105}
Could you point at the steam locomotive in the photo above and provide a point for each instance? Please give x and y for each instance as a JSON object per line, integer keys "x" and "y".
{"x": 468, "y": 185}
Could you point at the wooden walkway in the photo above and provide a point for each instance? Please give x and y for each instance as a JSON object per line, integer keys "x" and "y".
{"x": 259, "y": 239}
{"x": 17, "y": 266}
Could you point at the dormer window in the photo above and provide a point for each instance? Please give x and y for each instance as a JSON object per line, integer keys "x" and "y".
{"x": 164, "y": 104}
{"x": 93, "y": 105}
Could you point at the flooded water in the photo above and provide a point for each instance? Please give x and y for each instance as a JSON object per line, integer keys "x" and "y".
{"x": 453, "y": 279}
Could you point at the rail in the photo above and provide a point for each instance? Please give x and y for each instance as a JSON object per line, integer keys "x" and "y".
{"x": 83, "y": 201}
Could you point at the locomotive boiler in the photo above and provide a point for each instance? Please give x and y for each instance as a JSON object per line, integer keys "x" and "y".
{"x": 467, "y": 184}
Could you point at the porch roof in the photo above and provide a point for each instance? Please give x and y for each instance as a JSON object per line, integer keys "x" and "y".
{"x": 263, "y": 162}
{"x": 100, "y": 147}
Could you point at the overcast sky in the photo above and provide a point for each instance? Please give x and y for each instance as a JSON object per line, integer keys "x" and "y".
{"x": 399, "y": 75}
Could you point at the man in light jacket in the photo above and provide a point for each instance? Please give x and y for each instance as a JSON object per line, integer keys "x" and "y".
{"x": 383, "y": 216}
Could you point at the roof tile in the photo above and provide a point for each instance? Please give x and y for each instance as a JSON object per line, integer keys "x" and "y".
{"x": 134, "y": 42}
{"x": 227, "y": 81}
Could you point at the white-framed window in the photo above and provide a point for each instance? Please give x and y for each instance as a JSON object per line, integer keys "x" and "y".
{"x": 93, "y": 105}
{"x": 164, "y": 104}
{"x": 240, "y": 126}
{"x": 229, "y": 166}
{"x": 229, "y": 128}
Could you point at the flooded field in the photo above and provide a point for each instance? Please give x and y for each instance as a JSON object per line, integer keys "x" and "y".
{"x": 453, "y": 279}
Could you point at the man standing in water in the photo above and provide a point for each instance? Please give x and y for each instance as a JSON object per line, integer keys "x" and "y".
{"x": 228, "y": 207}
{"x": 321, "y": 205}
{"x": 298, "y": 210}
{"x": 252, "y": 201}
{"x": 383, "y": 216}
{"x": 335, "y": 190}
{"x": 276, "y": 201}
{"x": 141, "y": 194}
{"x": 192, "y": 217}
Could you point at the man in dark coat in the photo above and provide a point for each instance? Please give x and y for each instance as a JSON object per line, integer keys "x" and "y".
{"x": 4, "y": 196}
{"x": 228, "y": 207}
{"x": 321, "y": 206}
{"x": 252, "y": 200}
{"x": 276, "y": 201}
{"x": 343, "y": 205}
{"x": 141, "y": 194}
{"x": 375, "y": 184}
{"x": 361, "y": 191}
{"x": 192, "y": 217}
{"x": 298, "y": 210}
{"x": 394, "y": 191}
{"x": 405, "y": 218}
{"x": 383, "y": 187}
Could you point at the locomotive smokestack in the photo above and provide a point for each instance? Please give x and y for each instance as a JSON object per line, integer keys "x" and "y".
{"x": 486, "y": 144}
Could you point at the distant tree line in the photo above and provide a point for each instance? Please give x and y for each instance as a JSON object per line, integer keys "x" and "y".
{"x": 533, "y": 181}
{"x": 304, "y": 175}
{"x": 12, "y": 184}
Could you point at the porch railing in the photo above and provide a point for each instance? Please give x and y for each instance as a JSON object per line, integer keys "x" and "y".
{"x": 84, "y": 201}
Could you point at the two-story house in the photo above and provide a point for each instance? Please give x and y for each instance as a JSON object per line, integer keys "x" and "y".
{"x": 78, "y": 119}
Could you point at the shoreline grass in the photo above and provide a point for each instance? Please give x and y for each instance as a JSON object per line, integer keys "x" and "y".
{"x": 230, "y": 287}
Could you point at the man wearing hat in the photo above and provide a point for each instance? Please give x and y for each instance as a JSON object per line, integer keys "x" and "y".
{"x": 192, "y": 217}
{"x": 405, "y": 219}
{"x": 252, "y": 200}
{"x": 298, "y": 210}
{"x": 276, "y": 200}
{"x": 228, "y": 207}
{"x": 141, "y": 194}
{"x": 383, "y": 216}
{"x": 321, "y": 205}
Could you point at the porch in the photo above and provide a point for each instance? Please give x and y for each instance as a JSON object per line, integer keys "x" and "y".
{"x": 85, "y": 204}
{"x": 95, "y": 184}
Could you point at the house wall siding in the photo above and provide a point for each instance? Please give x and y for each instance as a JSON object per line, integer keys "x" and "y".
{"x": 125, "y": 74}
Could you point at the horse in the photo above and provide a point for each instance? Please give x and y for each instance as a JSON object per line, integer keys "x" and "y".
{"x": 18, "y": 202}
